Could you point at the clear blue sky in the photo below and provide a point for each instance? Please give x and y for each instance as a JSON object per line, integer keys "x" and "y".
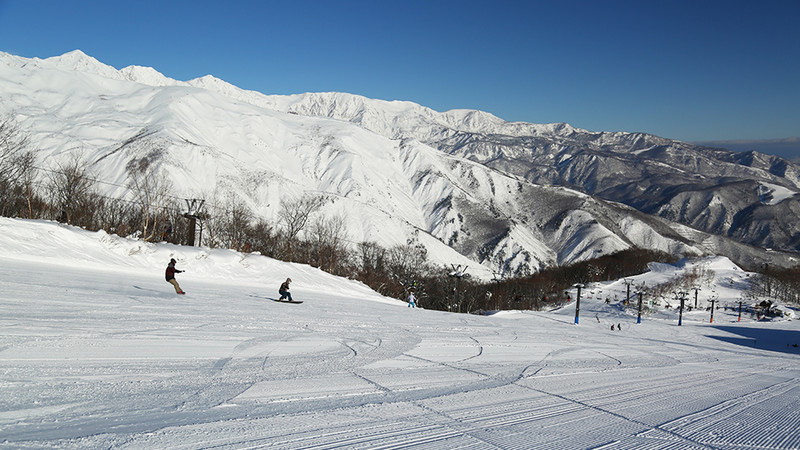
{"x": 691, "y": 70}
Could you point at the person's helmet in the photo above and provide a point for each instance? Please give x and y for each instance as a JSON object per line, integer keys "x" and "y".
{"x": 172, "y": 260}
{"x": 289, "y": 280}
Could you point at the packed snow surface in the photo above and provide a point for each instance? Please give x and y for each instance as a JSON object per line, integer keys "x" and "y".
{"x": 97, "y": 351}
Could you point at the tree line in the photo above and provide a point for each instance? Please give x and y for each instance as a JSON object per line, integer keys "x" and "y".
{"x": 68, "y": 192}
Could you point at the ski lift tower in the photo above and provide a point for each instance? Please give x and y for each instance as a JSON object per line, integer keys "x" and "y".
{"x": 195, "y": 214}
{"x": 579, "y": 286}
{"x": 640, "y": 293}
{"x": 628, "y": 283}
{"x": 681, "y": 296}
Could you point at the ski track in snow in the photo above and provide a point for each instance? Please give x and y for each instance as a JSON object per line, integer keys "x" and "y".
{"x": 113, "y": 359}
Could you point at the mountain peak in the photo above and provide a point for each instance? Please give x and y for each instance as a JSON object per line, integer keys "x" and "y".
{"x": 78, "y": 61}
{"x": 147, "y": 75}
{"x": 76, "y": 54}
{"x": 209, "y": 81}
{"x": 75, "y": 58}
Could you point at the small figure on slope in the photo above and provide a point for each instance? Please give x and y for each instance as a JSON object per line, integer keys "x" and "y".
{"x": 284, "y": 290}
{"x": 412, "y": 301}
{"x": 170, "y": 276}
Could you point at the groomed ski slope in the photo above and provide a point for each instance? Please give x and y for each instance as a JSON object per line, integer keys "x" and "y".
{"x": 97, "y": 351}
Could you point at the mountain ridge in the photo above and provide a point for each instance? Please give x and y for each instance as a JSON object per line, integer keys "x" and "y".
{"x": 658, "y": 175}
{"x": 422, "y": 175}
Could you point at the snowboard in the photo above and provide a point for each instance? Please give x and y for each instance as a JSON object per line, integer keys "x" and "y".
{"x": 286, "y": 301}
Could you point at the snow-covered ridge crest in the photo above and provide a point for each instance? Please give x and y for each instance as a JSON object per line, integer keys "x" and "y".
{"x": 148, "y": 76}
{"x": 373, "y": 113}
{"x": 78, "y": 61}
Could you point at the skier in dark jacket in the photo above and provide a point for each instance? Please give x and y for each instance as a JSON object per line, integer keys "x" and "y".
{"x": 284, "y": 290}
{"x": 170, "y": 276}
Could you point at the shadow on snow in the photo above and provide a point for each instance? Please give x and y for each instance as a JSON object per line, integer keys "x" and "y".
{"x": 784, "y": 341}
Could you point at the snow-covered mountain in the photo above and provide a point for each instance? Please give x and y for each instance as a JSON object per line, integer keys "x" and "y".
{"x": 714, "y": 190}
{"x": 467, "y": 185}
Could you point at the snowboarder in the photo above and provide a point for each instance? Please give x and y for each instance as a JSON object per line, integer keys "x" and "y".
{"x": 412, "y": 301}
{"x": 284, "y": 290}
{"x": 170, "y": 276}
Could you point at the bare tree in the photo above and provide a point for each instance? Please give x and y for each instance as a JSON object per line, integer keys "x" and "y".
{"x": 27, "y": 181}
{"x": 231, "y": 227}
{"x": 151, "y": 192}
{"x": 238, "y": 223}
{"x": 406, "y": 262}
{"x": 372, "y": 257}
{"x": 17, "y": 170}
{"x": 294, "y": 215}
{"x": 12, "y": 143}
{"x": 118, "y": 216}
{"x": 328, "y": 238}
{"x": 72, "y": 190}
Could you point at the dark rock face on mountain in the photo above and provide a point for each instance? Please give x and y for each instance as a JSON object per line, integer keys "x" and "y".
{"x": 747, "y": 197}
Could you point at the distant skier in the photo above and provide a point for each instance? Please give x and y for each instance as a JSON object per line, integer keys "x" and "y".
{"x": 284, "y": 290}
{"x": 170, "y": 276}
{"x": 412, "y": 301}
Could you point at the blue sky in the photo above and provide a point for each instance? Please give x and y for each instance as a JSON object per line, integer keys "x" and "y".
{"x": 690, "y": 70}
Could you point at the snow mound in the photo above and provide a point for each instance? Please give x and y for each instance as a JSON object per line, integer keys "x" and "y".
{"x": 46, "y": 242}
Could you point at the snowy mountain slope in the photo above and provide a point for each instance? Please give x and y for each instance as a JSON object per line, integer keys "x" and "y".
{"x": 214, "y": 139}
{"x": 658, "y": 176}
{"x": 97, "y": 351}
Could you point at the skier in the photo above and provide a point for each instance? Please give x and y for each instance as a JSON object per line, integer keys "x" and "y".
{"x": 284, "y": 290}
{"x": 412, "y": 301}
{"x": 170, "y": 276}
